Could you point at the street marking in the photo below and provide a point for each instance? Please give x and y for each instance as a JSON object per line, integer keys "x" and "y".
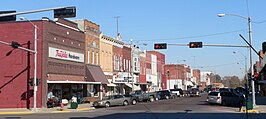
{"x": 251, "y": 111}
{"x": 60, "y": 111}
{"x": 82, "y": 109}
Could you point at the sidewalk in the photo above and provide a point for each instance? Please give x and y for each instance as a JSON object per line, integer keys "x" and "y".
{"x": 12, "y": 111}
{"x": 260, "y": 107}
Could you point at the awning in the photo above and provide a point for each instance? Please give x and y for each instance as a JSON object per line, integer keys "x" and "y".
{"x": 95, "y": 73}
{"x": 60, "y": 77}
{"x": 130, "y": 85}
{"x": 74, "y": 82}
{"x": 110, "y": 83}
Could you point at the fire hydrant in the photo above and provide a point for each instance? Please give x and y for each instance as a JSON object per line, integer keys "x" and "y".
{"x": 61, "y": 107}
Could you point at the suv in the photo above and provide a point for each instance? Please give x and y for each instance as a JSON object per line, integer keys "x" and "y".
{"x": 163, "y": 94}
{"x": 214, "y": 98}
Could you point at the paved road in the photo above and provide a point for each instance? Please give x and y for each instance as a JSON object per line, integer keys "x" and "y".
{"x": 181, "y": 108}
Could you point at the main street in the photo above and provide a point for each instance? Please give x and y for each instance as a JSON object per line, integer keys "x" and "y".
{"x": 180, "y": 108}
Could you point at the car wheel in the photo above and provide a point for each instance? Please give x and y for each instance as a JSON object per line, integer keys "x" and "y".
{"x": 151, "y": 99}
{"x": 107, "y": 104}
{"x": 125, "y": 103}
{"x": 167, "y": 97}
{"x": 134, "y": 102}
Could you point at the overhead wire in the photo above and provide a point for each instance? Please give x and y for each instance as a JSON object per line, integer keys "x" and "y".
{"x": 190, "y": 37}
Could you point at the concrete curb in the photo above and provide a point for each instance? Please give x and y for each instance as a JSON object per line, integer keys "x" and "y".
{"x": 18, "y": 112}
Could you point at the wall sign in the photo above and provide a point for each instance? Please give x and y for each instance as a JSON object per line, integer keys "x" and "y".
{"x": 65, "y": 55}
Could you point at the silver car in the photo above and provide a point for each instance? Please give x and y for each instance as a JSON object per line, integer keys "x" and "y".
{"x": 214, "y": 98}
{"x": 112, "y": 100}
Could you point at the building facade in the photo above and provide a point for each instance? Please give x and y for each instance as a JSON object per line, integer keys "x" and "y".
{"x": 60, "y": 62}
{"x": 92, "y": 58}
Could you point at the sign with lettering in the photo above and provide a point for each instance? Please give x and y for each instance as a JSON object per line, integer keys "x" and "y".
{"x": 65, "y": 55}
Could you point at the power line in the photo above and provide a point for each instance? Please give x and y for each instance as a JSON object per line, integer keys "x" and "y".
{"x": 190, "y": 37}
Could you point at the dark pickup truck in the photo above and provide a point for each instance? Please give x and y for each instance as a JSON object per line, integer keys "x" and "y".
{"x": 143, "y": 96}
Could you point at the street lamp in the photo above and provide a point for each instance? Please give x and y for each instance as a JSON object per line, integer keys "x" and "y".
{"x": 35, "y": 63}
{"x": 250, "y": 50}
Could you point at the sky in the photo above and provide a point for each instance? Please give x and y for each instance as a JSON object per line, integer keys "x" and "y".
{"x": 172, "y": 22}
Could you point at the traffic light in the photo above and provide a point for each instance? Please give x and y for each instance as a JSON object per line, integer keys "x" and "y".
{"x": 65, "y": 12}
{"x": 168, "y": 74}
{"x": 7, "y": 18}
{"x": 255, "y": 76}
{"x": 264, "y": 47}
{"x": 160, "y": 46}
{"x": 15, "y": 44}
{"x": 195, "y": 44}
{"x": 30, "y": 83}
{"x": 38, "y": 82}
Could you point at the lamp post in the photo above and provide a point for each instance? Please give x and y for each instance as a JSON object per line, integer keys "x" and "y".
{"x": 35, "y": 64}
{"x": 132, "y": 63}
{"x": 250, "y": 51}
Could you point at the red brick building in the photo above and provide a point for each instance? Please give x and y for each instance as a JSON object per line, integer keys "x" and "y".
{"x": 60, "y": 62}
{"x": 160, "y": 62}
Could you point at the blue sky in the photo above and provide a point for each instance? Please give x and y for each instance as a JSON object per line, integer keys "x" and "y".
{"x": 174, "y": 22}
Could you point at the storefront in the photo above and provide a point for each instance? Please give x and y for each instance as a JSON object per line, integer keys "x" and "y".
{"x": 94, "y": 73}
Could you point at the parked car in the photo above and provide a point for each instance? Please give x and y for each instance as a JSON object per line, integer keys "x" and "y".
{"x": 178, "y": 92}
{"x": 214, "y": 97}
{"x": 231, "y": 98}
{"x": 143, "y": 96}
{"x": 194, "y": 92}
{"x": 163, "y": 94}
{"x": 112, "y": 100}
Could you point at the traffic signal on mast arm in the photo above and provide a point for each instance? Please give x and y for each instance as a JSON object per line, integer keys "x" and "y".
{"x": 65, "y": 12}
{"x": 8, "y": 18}
{"x": 160, "y": 46}
{"x": 15, "y": 44}
{"x": 195, "y": 44}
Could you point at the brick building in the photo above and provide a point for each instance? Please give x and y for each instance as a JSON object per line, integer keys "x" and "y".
{"x": 60, "y": 62}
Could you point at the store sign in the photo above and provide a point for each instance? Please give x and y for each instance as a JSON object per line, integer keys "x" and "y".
{"x": 65, "y": 55}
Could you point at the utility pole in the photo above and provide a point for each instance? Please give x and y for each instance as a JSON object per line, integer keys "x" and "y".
{"x": 132, "y": 63}
{"x": 117, "y": 17}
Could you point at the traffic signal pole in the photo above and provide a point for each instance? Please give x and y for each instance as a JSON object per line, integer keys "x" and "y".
{"x": 213, "y": 45}
{"x": 31, "y": 11}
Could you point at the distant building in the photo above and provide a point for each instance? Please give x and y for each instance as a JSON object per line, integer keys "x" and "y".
{"x": 205, "y": 79}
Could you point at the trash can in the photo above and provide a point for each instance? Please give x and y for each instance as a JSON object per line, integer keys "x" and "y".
{"x": 74, "y": 105}
{"x": 249, "y": 104}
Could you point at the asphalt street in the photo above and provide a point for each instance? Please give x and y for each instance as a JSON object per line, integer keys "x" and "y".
{"x": 180, "y": 108}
